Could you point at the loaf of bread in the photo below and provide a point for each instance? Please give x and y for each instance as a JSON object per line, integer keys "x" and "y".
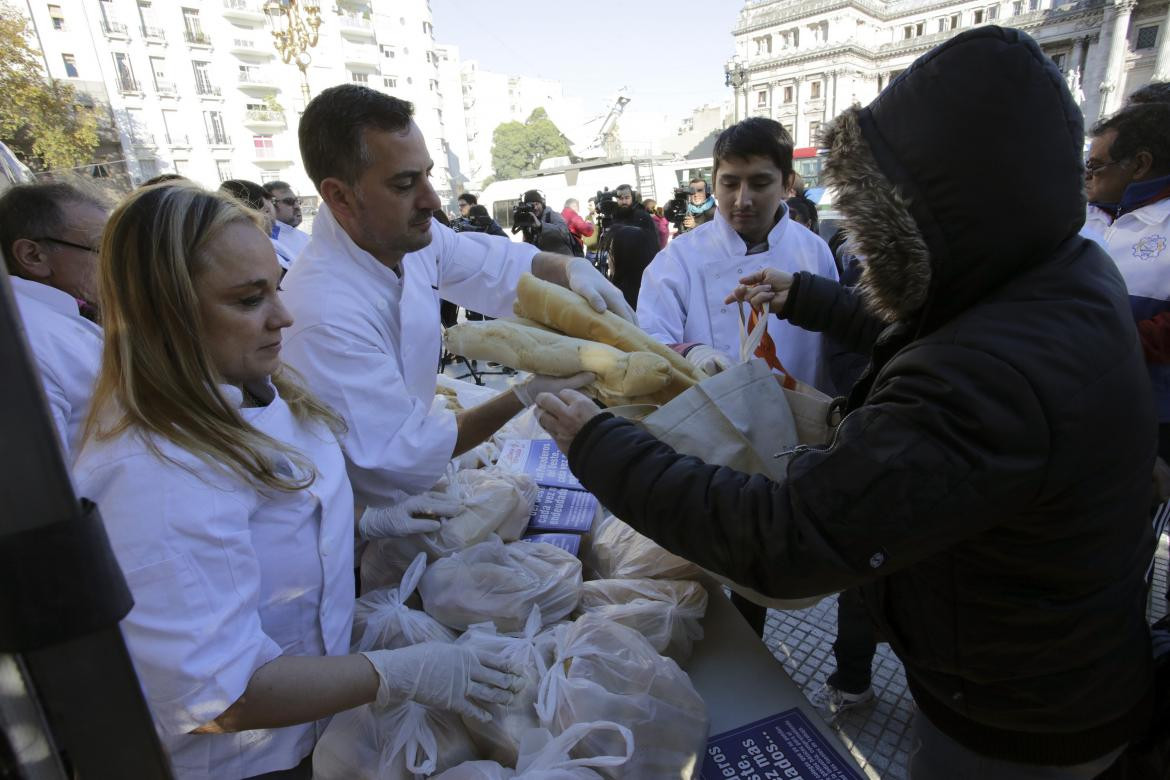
{"x": 569, "y": 313}
{"x": 620, "y": 375}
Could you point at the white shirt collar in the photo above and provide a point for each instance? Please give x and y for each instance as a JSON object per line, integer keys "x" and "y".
{"x": 327, "y": 228}
{"x": 1152, "y": 214}
{"x": 50, "y": 296}
{"x": 263, "y": 390}
{"x": 736, "y": 246}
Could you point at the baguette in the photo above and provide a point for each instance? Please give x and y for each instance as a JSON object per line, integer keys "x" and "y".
{"x": 564, "y": 310}
{"x": 620, "y": 375}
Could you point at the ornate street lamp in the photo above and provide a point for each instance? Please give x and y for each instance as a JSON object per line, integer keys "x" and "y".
{"x": 294, "y": 31}
{"x": 736, "y": 76}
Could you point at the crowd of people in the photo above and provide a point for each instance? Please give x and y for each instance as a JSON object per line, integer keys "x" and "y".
{"x": 242, "y": 398}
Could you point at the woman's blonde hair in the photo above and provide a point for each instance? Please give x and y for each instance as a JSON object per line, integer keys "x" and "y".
{"x": 156, "y": 373}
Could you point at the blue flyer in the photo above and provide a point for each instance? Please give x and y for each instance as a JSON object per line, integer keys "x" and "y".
{"x": 540, "y": 459}
{"x": 783, "y": 746}
{"x": 560, "y": 509}
{"x": 570, "y": 542}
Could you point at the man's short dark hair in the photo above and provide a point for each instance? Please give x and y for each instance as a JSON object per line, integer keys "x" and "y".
{"x": 333, "y": 127}
{"x": 623, "y": 188}
{"x": 533, "y": 196}
{"x": 273, "y": 187}
{"x": 35, "y": 211}
{"x": 1154, "y": 92}
{"x": 468, "y": 198}
{"x": 247, "y": 192}
{"x": 478, "y": 211}
{"x": 756, "y": 136}
{"x": 1141, "y": 127}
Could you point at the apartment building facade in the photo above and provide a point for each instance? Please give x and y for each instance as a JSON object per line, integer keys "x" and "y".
{"x": 802, "y": 62}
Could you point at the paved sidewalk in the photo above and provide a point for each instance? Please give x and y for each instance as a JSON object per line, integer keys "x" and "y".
{"x": 878, "y": 735}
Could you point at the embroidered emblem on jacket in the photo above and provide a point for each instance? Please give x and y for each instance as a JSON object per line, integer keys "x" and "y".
{"x": 1149, "y": 247}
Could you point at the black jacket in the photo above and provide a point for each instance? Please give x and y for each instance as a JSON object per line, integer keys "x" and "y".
{"x": 989, "y": 484}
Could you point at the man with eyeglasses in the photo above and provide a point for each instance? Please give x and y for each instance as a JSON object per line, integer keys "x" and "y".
{"x": 49, "y": 235}
{"x": 288, "y": 218}
{"x": 1127, "y": 181}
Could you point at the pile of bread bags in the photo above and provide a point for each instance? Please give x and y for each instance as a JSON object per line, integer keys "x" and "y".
{"x": 599, "y": 644}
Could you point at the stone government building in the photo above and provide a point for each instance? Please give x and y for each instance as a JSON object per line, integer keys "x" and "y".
{"x": 802, "y": 62}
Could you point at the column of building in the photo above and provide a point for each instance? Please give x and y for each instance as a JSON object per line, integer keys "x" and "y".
{"x": 1162, "y": 64}
{"x": 796, "y": 117}
{"x": 1118, "y": 25}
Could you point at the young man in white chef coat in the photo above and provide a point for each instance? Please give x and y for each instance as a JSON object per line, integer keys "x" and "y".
{"x": 365, "y": 298}
{"x": 49, "y": 234}
{"x": 683, "y": 289}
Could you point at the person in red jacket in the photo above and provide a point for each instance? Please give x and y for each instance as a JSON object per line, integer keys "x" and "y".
{"x": 578, "y": 227}
{"x": 660, "y": 223}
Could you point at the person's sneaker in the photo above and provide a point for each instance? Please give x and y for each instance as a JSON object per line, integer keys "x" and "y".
{"x": 835, "y": 701}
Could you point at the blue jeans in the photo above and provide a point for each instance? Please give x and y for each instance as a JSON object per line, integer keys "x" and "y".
{"x": 935, "y": 756}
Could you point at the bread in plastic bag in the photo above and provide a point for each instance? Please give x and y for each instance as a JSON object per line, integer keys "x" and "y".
{"x": 499, "y": 739}
{"x": 383, "y": 621}
{"x": 500, "y": 583}
{"x": 605, "y": 671}
{"x": 666, "y": 612}
{"x": 402, "y": 742}
{"x": 545, "y": 757}
{"x": 619, "y": 552}
{"x": 495, "y": 501}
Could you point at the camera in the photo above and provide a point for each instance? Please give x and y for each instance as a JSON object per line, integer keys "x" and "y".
{"x": 607, "y": 206}
{"x": 524, "y": 216}
{"x": 472, "y": 224}
{"x": 676, "y": 209}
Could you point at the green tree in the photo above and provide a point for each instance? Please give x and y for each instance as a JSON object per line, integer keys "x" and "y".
{"x": 519, "y": 147}
{"x": 40, "y": 119}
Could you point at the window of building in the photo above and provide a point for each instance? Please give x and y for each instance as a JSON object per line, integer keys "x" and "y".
{"x": 814, "y": 91}
{"x": 920, "y": 29}
{"x": 193, "y": 28}
{"x": 57, "y": 17}
{"x": 762, "y": 98}
{"x": 70, "y": 65}
{"x": 136, "y": 127}
{"x": 182, "y": 167}
{"x": 203, "y": 83}
{"x": 814, "y": 132}
{"x": 992, "y": 13}
{"x": 359, "y": 78}
{"x": 124, "y": 72}
{"x": 763, "y": 44}
{"x": 174, "y": 128}
{"x": 224, "y": 169}
{"x": 907, "y": 32}
{"x": 387, "y": 51}
{"x": 213, "y": 124}
{"x": 262, "y": 144}
{"x": 977, "y": 17}
{"x": 1147, "y": 37}
{"x": 428, "y": 28}
{"x": 1059, "y": 60}
{"x": 943, "y": 24}
{"x": 389, "y": 82}
{"x": 434, "y": 85}
{"x": 1017, "y": 7}
{"x": 788, "y": 94}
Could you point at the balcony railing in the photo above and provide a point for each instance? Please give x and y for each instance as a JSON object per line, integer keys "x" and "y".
{"x": 242, "y": 5}
{"x": 128, "y": 86}
{"x": 219, "y": 139}
{"x": 197, "y": 37}
{"x": 204, "y": 88}
{"x": 110, "y": 27}
{"x": 178, "y": 139}
{"x": 264, "y": 115}
{"x": 257, "y": 78}
{"x": 357, "y": 21}
{"x": 153, "y": 33}
{"x": 142, "y": 139}
{"x": 265, "y": 153}
{"x": 164, "y": 87}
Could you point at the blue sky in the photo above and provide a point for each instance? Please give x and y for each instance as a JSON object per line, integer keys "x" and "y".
{"x": 669, "y": 53}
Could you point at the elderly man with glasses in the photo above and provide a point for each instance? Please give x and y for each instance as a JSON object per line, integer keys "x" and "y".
{"x": 49, "y": 235}
{"x": 1127, "y": 181}
{"x": 285, "y": 231}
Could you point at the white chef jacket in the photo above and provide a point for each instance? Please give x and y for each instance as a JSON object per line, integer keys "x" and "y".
{"x": 683, "y": 288}
{"x": 225, "y": 579}
{"x": 67, "y": 349}
{"x": 289, "y": 243}
{"x": 1097, "y": 221}
{"x": 368, "y": 344}
{"x": 1139, "y": 242}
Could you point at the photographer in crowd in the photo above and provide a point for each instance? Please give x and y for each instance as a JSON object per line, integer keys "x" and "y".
{"x": 476, "y": 219}
{"x": 542, "y": 226}
{"x": 701, "y": 209}
{"x": 629, "y": 210}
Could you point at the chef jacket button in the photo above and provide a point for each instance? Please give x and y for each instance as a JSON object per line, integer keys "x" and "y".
{"x": 723, "y": 310}
{"x": 739, "y": 270}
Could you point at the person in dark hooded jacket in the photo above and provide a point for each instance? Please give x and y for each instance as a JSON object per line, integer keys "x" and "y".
{"x": 988, "y": 486}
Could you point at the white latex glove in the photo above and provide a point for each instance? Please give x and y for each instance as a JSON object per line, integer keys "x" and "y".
{"x": 536, "y": 384}
{"x": 402, "y": 519}
{"x": 708, "y": 359}
{"x": 587, "y": 281}
{"x": 444, "y": 676}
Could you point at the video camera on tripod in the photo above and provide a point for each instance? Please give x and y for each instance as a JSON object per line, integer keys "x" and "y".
{"x": 675, "y": 210}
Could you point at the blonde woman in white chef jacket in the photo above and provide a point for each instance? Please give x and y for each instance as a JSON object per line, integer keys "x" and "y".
{"x": 224, "y": 494}
{"x": 681, "y": 301}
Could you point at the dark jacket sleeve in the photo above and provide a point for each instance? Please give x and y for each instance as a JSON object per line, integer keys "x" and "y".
{"x": 820, "y": 304}
{"x": 913, "y": 472}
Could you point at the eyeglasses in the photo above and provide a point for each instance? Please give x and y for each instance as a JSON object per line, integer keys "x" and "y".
{"x": 290, "y": 201}
{"x": 1093, "y": 170}
{"x": 63, "y": 242}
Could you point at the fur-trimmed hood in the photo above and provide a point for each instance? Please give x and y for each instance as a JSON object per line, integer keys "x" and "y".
{"x": 966, "y": 171}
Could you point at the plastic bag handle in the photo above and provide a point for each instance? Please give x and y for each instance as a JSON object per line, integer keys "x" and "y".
{"x": 412, "y": 576}
{"x": 756, "y": 327}
{"x": 570, "y": 737}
